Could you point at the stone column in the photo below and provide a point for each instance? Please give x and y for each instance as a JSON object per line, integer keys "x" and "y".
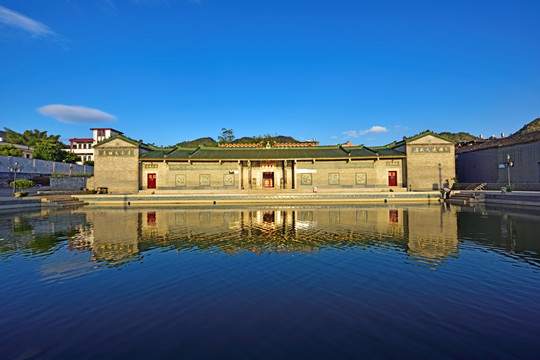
{"x": 250, "y": 173}
{"x": 284, "y": 174}
{"x": 293, "y": 167}
{"x": 241, "y": 175}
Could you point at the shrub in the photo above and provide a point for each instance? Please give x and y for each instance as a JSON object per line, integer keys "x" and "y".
{"x": 22, "y": 184}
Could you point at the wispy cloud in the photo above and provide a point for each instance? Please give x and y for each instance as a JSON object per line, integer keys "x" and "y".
{"x": 76, "y": 114}
{"x": 14, "y": 19}
{"x": 111, "y": 4}
{"x": 374, "y": 130}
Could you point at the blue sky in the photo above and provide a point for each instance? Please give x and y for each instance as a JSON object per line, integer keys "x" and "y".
{"x": 366, "y": 71}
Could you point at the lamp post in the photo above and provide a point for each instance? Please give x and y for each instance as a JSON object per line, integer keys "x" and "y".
{"x": 509, "y": 164}
{"x": 15, "y": 169}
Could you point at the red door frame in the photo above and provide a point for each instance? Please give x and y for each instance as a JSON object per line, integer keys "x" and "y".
{"x": 392, "y": 178}
{"x": 151, "y": 181}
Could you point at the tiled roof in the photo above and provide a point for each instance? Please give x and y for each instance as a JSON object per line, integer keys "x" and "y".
{"x": 107, "y": 129}
{"x": 512, "y": 140}
{"x": 126, "y": 139}
{"x": 316, "y": 152}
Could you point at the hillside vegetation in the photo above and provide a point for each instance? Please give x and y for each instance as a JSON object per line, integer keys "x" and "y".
{"x": 210, "y": 142}
{"x": 458, "y": 137}
{"x": 530, "y": 127}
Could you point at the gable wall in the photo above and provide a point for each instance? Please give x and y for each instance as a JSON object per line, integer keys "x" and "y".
{"x": 116, "y": 167}
{"x": 430, "y": 164}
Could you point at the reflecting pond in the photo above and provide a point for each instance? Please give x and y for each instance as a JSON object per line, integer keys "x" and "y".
{"x": 392, "y": 281}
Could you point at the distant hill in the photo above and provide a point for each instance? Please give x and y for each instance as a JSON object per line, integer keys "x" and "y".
{"x": 210, "y": 142}
{"x": 530, "y": 127}
{"x": 205, "y": 141}
{"x": 458, "y": 137}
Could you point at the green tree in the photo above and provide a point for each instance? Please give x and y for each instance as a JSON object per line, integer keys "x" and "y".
{"x": 227, "y": 136}
{"x": 10, "y": 150}
{"x": 49, "y": 149}
{"x": 71, "y": 157}
{"x": 29, "y": 137}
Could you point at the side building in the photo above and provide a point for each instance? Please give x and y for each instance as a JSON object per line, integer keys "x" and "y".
{"x": 84, "y": 147}
{"x": 497, "y": 162}
{"x": 425, "y": 162}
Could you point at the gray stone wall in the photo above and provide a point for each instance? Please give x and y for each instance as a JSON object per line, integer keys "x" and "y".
{"x": 68, "y": 183}
{"x": 42, "y": 167}
{"x": 483, "y": 165}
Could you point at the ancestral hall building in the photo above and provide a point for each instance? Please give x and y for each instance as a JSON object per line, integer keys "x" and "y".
{"x": 424, "y": 162}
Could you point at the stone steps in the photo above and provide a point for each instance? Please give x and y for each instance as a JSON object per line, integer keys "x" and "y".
{"x": 61, "y": 201}
{"x": 463, "y": 198}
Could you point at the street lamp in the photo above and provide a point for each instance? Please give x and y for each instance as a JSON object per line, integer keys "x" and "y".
{"x": 15, "y": 169}
{"x": 509, "y": 164}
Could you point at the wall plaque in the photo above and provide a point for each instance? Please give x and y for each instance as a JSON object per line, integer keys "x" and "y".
{"x": 306, "y": 179}
{"x": 392, "y": 163}
{"x": 204, "y": 180}
{"x": 180, "y": 180}
{"x": 361, "y": 178}
{"x": 429, "y": 149}
{"x": 116, "y": 152}
{"x": 333, "y": 179}
{"x": 228, "y": 180}
{"x": 150, "y": 166}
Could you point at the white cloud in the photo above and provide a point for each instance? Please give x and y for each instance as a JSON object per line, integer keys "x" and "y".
{"x": 75, "y": 114}
{"x": 350, "y": 133}
{"x": 14, "y": 19}
{"x": 374, "y": 129}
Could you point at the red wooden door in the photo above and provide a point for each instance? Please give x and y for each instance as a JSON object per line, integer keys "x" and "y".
{"x": 268, "y": 180}
{"x": 151, "y": 181}
{"x": 392, "y": 178}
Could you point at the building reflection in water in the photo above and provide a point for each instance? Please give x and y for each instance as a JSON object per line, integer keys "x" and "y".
{"x": 423, "y": 232}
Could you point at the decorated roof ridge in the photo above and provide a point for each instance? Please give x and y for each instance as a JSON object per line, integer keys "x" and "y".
{"x": 215, "y": 148}
{"x": 249, "y": 145}
{"x": 300, "y": 144}
{"x": 126, "y": 139}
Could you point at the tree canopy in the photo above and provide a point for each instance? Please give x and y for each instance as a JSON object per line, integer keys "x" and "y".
{"x": 227, "y": 136}
{"x": 29, "y": 137}
{"x": 10, "y": 150}
{"x": 46, "y": 147}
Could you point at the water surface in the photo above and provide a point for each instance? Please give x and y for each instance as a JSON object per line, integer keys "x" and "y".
{"x": 416, "y": 282}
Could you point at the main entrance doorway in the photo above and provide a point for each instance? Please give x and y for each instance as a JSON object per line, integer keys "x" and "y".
{"x": 268, "y": 179}
{"x": 151, "y": 181}
{"x": 392, "y": 178}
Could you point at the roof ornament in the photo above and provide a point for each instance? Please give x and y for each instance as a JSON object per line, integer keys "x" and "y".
{"x": 268, "y": 144}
